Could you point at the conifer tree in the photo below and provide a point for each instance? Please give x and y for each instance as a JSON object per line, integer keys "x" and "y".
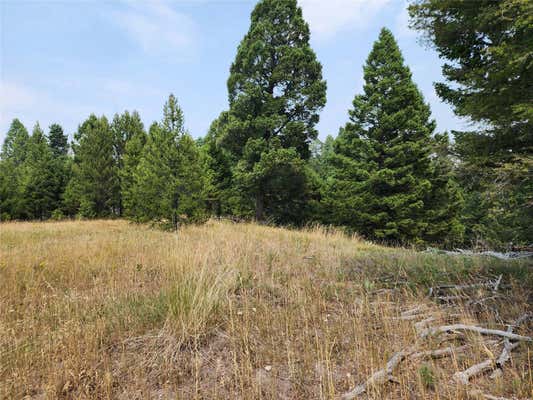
{"x": 15, "y": 143}
{"x": 169, "y": 179}
{"x": 12, "y": 156}
{"x": 40, "y": 181}
{"x": 58, "y": 140}
{"x": 94, "y": 187}
{"x": 218, "y": 167}
{"x": 132, "y": 155}
{"x": 125, "y": 127}
{"x": 445, "y": 202}
{"x": 382, "y": 170}
{"x": 275, "y": 92}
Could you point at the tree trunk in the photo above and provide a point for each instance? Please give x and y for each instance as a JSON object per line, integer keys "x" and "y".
{"x": 259, "y": 206}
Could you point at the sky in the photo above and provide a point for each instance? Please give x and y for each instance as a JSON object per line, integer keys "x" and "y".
{"x": 61, "y": 60}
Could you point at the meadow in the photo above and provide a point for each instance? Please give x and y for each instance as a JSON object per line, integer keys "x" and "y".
{"x": 107, "y": 309}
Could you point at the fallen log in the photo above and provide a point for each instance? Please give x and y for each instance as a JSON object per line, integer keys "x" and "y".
{"x": 463, "y": 377}
{"x": 380, "y": 377}
{"x": 490, "y": 364}
{"x": 472, "y": 328}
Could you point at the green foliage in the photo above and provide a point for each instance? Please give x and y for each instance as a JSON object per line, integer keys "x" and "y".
{"x": 14, "y": 147}
{"x": 218, "y": 167}
{"x": 427, "y": 376}
{"x": 488, "y": 46}
{"x": 94, "y": 187}
{"x": 130, "y": 160}
{"x": 280, "y": 176}
{"x": 58, "y": 140}
{"x": 62, "y": 163}
{"x": 445, "y": 201}
{"x": 275, "y": 91}
{"x": 129, "y": 138}
{"x": 489, "y": 77}
{"x": 169, "y": 179}
{"x": 9, "y": 190}
{"x": 381, "y": 181}
{"x": 40, "y": 181}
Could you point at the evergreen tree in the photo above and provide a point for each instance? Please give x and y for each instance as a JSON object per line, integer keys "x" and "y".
{"x": 40, "y": 181}
{"x": 133, "y": 151}
{"x": 125, "y": 127}
{"x": 13, "y": 155}
{"x": 218, "y": 167}
{"x": 169, "y": 179}
{"x": 445, "y": 201}
{"x": 382, "y": 171}
{"x": 489, "y": 71}
{"x": 9, "y": 190}
{"x": 275, "y": 92}
{"x": 58, "y": 140}
{"x": 94, "y": 187}
{"x": 15, "y": 143}
{"x": 489, "y": 79}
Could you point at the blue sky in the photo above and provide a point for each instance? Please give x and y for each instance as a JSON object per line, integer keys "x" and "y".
{"x": 61, "y": 60}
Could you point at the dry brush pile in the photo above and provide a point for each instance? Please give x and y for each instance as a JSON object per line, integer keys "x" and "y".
{"x": 111, "y": 310}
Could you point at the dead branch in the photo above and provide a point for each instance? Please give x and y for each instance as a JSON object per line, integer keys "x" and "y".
{"x": 421, "y": 324}
{"x": 463, "y": 377}
{"x": 472, "y": 328}
{"x": 440, "y": 353}
{"x": 417, "y": 310}
{"x": 478, "y": 394}
{"x": 380, "y": 377}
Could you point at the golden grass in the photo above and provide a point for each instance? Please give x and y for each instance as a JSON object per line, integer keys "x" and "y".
{"x": 113, "y": 310}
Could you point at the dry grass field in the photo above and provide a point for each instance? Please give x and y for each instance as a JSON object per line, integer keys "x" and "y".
{"x": 113, "y": 310}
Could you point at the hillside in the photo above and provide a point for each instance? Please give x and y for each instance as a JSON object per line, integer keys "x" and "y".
{"x": 114, "y": 310}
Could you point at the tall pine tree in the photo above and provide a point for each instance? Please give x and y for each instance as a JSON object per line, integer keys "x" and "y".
{"x": 169, "y": 178}
{"x": 381, "y": 184}
{"x": 12, "y": 156}
{"x": 40, "y": 181}
{"x": 125, "y": 127}
{"x": 133, "y": 151}
{"x": 218, "y": 167}
{"x": 94, "y": 187}
{"x": 276, "y": 91}
{"x": 489, "y": 79}
{"x": 15, "y": 143}
{"x": 58, "y": 142}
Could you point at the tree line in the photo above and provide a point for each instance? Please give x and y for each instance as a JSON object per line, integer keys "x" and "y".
{"x": 388, "y": 174}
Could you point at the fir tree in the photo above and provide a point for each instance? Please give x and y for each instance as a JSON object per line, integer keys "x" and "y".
{"x": 132, "y": 155}
{"x": 125, "y": 127}
{"x": 58, "y": 140}
{"x": 40, "y": 181}
{"x": 489, "y": 79}
{"x": 94, "y": 187}
{"x": 169, "y": 178}
{"x": 445, "y": 202}
{"x": 218, "y": 167}
{"x": 13, "y": 155}
{"x": 275, "y": 92}
{"x": 15, "y": 144}
{"x": 382, "y": 169}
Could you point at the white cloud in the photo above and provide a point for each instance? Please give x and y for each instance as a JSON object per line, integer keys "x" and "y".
{"x": 402, "y": 23}
{"x": 328, "y": 17}
{"x": 155, "y": 26}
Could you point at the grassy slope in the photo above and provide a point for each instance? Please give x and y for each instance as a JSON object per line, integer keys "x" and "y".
{"x": 107, "y": 309}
